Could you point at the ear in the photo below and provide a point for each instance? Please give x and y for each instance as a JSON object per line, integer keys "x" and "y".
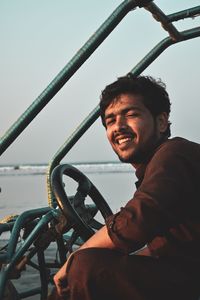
{"x": 162, "y": 122}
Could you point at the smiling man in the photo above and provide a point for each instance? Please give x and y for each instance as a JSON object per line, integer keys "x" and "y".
{"x": 150, "y": 249}
{"x": 131, "y": 129}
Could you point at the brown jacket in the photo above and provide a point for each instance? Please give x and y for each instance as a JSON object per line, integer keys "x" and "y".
{"x": 164, "y": 212}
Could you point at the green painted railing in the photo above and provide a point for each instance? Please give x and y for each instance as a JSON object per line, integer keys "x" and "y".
{"x": 48, "y": 214}
{"x": 67, "y": 72}
{"x": 174, "y": 37}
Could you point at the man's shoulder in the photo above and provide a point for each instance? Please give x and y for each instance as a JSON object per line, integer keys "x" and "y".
{"x": 179, "y": 144}
{"x": 175, "y": 154}
{"x": 178, "y": 147}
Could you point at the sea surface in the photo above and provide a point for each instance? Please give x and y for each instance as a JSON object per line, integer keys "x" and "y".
{"x": 23, "y": 187}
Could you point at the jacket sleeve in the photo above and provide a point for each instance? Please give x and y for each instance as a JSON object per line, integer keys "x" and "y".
{"x": 159, "y": 203}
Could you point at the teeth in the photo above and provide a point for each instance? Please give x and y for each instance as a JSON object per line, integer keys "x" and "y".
{"x": 124, "y": 140}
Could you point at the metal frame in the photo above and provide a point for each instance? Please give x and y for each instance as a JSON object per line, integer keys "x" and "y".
{"x": 41, "y": 218}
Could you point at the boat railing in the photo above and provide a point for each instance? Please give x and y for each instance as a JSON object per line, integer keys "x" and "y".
{"x": 67, "y": 72}
{"x": 42, "y": 218}
{"x": 174, "y": 37}
{"x": 90, "y": 46}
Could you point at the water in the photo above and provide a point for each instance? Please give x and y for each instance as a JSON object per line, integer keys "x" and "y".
{"x": 24, "y": 187}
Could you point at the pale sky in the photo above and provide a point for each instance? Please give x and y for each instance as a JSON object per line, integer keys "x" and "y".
{"x": 38, "y": 38}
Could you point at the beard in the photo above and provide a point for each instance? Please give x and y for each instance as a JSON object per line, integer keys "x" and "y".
{"x": 138, "y": 157}
{"x": 143, "y": 152}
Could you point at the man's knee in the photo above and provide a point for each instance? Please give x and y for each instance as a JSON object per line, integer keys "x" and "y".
{"x": 88, "y": 263}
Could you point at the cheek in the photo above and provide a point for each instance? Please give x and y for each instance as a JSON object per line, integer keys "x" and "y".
{"x": 144, "y": 131}
{"x": 108, "y": 134}
{"x": 139, "y": 128}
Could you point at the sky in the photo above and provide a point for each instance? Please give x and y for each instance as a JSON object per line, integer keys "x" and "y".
{"x": 38, "y": 38}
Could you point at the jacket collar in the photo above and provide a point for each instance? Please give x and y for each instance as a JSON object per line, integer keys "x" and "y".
{"x": 140, "y": 171}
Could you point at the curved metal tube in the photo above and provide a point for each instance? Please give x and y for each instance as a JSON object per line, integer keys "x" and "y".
{"x": 22, "y": 219}
{"x": 92, "y": 117}
{"x": 66, "y": 73}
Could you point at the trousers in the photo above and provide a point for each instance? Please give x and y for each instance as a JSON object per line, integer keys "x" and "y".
{"x": 104, "y": 274}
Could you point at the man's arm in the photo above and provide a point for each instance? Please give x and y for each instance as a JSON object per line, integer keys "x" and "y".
{"x": 100, "y": 239}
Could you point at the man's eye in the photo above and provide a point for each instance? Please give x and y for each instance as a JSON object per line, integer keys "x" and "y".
{"x": 109, "y": 121}
{"x": 132, "y": 114}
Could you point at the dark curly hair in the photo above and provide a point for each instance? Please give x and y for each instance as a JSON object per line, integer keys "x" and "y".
{"x": 153, "y": 92}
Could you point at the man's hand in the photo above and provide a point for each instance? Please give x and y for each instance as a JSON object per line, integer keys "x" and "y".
{"x": 99, "y": 240}
{"x": 60, "y": 278}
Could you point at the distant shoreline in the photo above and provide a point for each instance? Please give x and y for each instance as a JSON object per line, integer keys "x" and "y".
{"x": 85, "y": 167}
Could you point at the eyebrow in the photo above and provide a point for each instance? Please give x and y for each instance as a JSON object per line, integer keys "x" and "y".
{"x": 125, "y": 110}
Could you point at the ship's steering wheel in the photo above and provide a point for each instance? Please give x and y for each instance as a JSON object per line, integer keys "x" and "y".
{"x": 74, "y": 208}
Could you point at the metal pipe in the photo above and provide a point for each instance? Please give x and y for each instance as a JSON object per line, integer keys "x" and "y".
{"x": 43, "y": 274}
{"x": 25, "y": 217}
{"x": 91, "y": 118}
{"x": 159, "y": 16}
{"x": 65, "y": 148}
{"x": 4, "y": 274}
{"x": 186, "y": 13}
{"x": 137, "y": 70}
{"x": 29, "y": 293}
{"x": 160, "y": 47}
{"x": 66, "y": 73}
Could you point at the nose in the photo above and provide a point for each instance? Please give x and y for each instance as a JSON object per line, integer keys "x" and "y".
{"x": 120, "y": 123}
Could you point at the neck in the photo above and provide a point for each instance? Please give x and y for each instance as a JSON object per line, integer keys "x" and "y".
{"x": 148, "y": 155}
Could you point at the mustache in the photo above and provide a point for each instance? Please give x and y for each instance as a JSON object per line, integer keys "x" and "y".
{"x": 124, "y": 133}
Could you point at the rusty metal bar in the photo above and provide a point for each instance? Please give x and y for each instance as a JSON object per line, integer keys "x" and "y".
{"x": 159, "y": 16}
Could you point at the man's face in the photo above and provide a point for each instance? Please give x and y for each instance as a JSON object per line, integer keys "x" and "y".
{"x": 131, "y": 129}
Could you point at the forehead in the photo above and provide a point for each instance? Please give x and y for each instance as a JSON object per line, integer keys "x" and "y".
{"x": 123, "y": 102}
